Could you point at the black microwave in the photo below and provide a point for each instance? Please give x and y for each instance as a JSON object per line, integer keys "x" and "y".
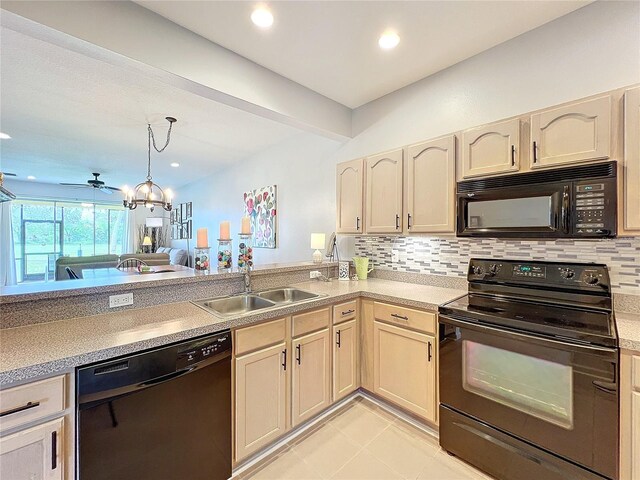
{"x": 572, "y": 202}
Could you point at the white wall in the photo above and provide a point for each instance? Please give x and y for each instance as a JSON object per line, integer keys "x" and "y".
{"x": 303, "y": 171}
{"x": 594, "y": 49}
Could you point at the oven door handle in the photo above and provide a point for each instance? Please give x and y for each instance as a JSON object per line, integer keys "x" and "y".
{"x": 471, "y": 325}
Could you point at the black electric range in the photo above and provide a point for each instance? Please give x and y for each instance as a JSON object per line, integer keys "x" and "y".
{"x": 529, "y": 371}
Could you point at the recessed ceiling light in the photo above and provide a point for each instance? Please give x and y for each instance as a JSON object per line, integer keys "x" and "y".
{"x": 4, "y": 136}
{"x": 30, "y": 177}
{"x": 175, "y": 164}
{"x": 389, "y": 40}
{"x": 262, "y": 17}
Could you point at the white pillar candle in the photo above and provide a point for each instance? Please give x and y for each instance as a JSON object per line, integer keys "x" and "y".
{"x": 246, "y": 226}
{"x": 225, "y": 230}
{"x": 202, "y": 238}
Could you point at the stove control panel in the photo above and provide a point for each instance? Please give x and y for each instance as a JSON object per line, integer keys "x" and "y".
{"x": 581, "y": 276}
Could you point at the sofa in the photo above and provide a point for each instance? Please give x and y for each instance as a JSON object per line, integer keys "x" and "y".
{"x": 177, "y": 256}
{"x": 163, "y": 256}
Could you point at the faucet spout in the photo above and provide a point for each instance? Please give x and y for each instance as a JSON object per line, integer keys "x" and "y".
{"x": 247, "y": 281}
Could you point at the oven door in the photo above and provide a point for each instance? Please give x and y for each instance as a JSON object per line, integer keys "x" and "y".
{"x": 541, "y": 210}
{"x": 556, "y": 395}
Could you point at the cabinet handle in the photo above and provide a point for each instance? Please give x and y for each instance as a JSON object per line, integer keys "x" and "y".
{"x": 22, "y": 408}
{"x": 429, "y": 350}
{"x": 408, "y": 220}
{"x": 284, "y": 359}
{"x": 401, "y": 317}
{"x": 397, "y": 221}
{"x": 357, "y": 223}
{"x": 347, "y": 312}
{"x": 535, "y": 152}
{"x": 54, "y": 450}
{"x": 338, "y": 338}
{"x": 513, "y": 155}
{"x": 298, "y": 353}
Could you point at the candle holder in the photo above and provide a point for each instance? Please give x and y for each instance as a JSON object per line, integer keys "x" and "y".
{"x": 225, "y": 255}
{"x": 245, "y": 253}
{"x": 202, "y": 259}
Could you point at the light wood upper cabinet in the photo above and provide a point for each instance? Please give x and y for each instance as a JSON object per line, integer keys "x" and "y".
{"x": 430, "y": 186}
{"x": 349, "y": 188}
{"x": 405, "y": 369}
{"x": 631, "y": 174}
{"x": 34, "y": 453}
{"x": 574, "y": 133}
{"x": 491, "y": 149}
{"x": 384, "y": 193}
{"x": 311, "y": 377}
{"x": 261, "y": 402}
{"x": 345, "y": 359}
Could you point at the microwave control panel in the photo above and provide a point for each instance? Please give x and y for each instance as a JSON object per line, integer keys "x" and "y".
{"x": 594, "y": 211}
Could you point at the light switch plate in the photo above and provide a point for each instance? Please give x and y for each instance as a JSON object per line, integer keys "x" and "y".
{"x": 120, "y": 300}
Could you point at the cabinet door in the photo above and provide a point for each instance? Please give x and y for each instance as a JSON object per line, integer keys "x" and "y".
{"x": 349, "y": 181}
{"x": 311, "y": 375}
{"x": 405, "y": 368}
{"x": 491, "y": 149}
{"x": 33, "y": 454}
{"x": 345, "y": 359}
{"x": 431, "y": 185}
{"x": 574, "y": 133}
{"x": 260, "y": 415}
{"x": 384, "y": 193}
{"x": 635, "y": 435}
{"x": 632, "y": 159}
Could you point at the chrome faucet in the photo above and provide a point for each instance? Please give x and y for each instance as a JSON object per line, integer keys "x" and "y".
{"x": 247, "y": 280}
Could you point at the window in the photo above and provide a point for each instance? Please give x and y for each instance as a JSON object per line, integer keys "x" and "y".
{"x": 44, "y": 230}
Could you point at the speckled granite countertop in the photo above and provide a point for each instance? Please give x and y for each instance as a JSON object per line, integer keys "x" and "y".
{"x": 629, "y": 330}
{"x": 35, "y": 350}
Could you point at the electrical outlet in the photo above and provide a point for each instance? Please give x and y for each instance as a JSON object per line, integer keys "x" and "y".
{"x": 314, "y": 274}
{"x": 120, "y": 300}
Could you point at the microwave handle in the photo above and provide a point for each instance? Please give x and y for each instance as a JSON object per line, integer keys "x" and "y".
{"x": 565, "y": 209}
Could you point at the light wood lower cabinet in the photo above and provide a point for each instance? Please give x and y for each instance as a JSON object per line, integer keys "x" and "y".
{"x": 404, "y": 368}
{"x": 311, "y": 383}
{"x": 629, "y": 416}
{"x": 261, "y": 400}
{"x": 345, "y": 359}
{"x": 34, "y": 453}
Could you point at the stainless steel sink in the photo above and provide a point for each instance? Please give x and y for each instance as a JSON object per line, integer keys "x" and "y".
{"x": 242, "y": 304}
{"x": 287, "y": 295}
{"x": 235, "y": 305}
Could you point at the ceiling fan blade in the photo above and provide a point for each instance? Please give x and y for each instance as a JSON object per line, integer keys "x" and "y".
{"x": 105, "y": 190}
{"x": 75, "y": 184}
{"x": 112, "y": 188}
{"x": 7, "y": 174}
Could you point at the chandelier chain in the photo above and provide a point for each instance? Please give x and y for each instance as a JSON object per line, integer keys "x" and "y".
{"x": 152, "y": 140}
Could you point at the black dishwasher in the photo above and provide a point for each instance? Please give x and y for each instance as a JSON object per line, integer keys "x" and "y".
{"x": 161, "y": 414}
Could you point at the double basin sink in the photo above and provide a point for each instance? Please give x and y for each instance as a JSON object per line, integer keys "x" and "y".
{"x": 242, "y": 304}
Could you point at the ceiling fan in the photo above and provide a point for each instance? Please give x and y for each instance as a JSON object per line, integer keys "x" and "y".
{"x": 94, "y": 183}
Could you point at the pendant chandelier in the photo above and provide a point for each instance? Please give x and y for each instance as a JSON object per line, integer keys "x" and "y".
{"x": 147, "y": 193}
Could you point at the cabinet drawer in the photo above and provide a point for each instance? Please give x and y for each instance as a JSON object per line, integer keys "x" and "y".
{"x": 310, "y": 322}
{"x": 32, "y": 401}
{"x": 259, "y": 336}
{"x": 635, "y": 372}
{"x": 405, "y": 317}
{"x": 345, "y": 311}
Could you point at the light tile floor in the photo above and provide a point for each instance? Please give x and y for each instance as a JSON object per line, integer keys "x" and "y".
{"x": 363, "y": 442}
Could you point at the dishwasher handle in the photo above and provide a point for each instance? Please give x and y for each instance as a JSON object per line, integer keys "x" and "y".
{"x": 167, "y": 377}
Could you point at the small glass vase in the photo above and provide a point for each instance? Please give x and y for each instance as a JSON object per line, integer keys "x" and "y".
{"x": 225, "y": 255}
{"x": 245, "y": 253}
{"x": 202, "y": 259}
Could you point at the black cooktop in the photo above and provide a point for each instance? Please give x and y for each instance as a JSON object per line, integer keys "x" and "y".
{"x": 578, "y": 324}
{"x": 570, "y": 301}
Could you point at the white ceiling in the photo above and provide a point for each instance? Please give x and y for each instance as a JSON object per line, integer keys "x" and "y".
{"x": 331, "y": 46}
{"x": 70, "y": 115}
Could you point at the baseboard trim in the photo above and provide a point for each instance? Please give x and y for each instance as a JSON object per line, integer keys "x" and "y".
{"x": 259, "y": 457}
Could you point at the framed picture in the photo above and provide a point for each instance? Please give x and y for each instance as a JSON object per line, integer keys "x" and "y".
{"x": 188, "y": 213}
{"x": 260, "y": 205}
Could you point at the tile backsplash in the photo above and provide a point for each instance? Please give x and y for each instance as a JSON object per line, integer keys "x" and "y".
{"x": 450, "y": 255}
